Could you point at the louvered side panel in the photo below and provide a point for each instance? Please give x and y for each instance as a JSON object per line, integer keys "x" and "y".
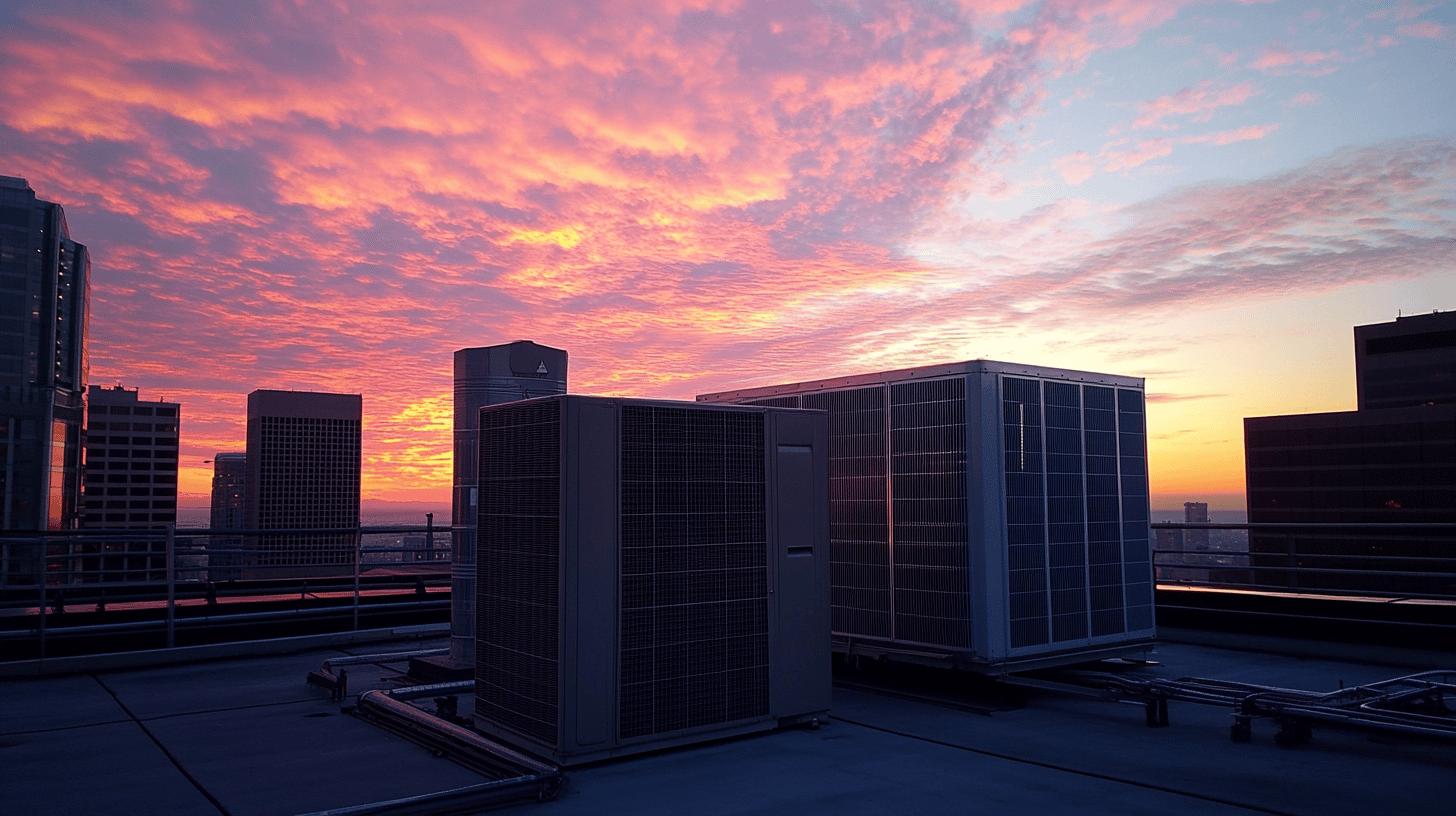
{"x": 858, "y": 511}
{"x": 928, "y": 472}
{"x": 517, "y": 569}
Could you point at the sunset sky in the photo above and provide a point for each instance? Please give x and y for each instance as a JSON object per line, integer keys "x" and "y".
{"x": 691, "y": 196}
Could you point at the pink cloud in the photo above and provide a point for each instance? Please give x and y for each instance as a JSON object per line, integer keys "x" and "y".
{"x": 1197, "y": 102}
{"x": 285, "y": 196}
{"x": 1304, "y": 99}
{"x": 1425, "y": 29}
{"x": 1228, "y": 137}
{"x": 1309, "y": 62}
{"x": 1076, "y": 167}
{"x": 1114, "y": 161}
{"x": 1402, "y": 11}
{"x": 1120, "y": 155}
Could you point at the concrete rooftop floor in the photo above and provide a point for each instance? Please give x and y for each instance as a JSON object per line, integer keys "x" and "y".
{"x": 247, "y": 736}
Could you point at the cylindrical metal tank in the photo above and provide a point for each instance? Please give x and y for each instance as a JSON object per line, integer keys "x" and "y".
{"x": 486, "y": 376}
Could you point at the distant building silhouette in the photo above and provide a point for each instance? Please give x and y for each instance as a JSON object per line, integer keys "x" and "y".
{"x": 1195, "y": 513}
{"x": 1178, "y": 548}
{"x": 44, "y": 275}
{"x": 131, "y": 479}
{"x": 229, "y": 491}
{"x": 302, "y": 465}
{"x": 1391, "y": 461}
{"x": 487, "y": 375}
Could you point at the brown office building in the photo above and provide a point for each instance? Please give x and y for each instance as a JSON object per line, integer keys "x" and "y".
{"x": 302, "y": 463}
{"x": 229, "y": 489}
{"x": 131, "y": 479}
{"x": 1393, "y": 461}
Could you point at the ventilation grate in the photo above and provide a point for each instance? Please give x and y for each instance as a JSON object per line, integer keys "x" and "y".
{"x": 859, "y": 561}
{"x": 1066, "y": 511}
{"x": 928, "y": 472}
{"x": 517, "y": 568}
{"x": 694, "y": 591}
{"x": 1026, "y": 561}
{"x": 1133, "y": 468}
{"x": 1104, "y": 530}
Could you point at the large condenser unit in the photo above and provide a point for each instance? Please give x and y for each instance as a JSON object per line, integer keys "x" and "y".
{"x": 649, "y": 573}
{"x": 983, "y": 513}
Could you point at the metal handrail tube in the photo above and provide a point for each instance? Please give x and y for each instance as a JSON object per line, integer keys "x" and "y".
{"x": 1303, "y": 591}
{"x": 1308, "y": 555}
{"x": 1313, "y": 525}
{"x": 1322, "y": 618}
{"x": 1323, "y": 570}
{"x": 200, "y": 602}
{"x": 195, "y": 532}
{"x": 228, "y": 618}
{"x": 198, "y": 587}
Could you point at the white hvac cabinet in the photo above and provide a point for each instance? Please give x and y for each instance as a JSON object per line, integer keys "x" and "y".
{"x": 983, "y": 513}
{"x": 649, "y": 573}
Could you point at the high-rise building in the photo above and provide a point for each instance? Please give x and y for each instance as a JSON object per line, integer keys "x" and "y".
{"x": 1195, "y": 513}
{"x": 131, "y": 480}
{"x": 1179, "y": 549}
{"x": 488, "y": 375}
{"x": 229, "y": 486}
{"x": 302, "y": 466}
{"x": 1408, "y": 361}
{"x": 1391, "y": 461}
{"x": 44, "y": 276}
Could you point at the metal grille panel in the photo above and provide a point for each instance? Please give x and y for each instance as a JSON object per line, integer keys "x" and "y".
{"x": 1066, "y": 517}
{"x": 1133, "y": 467}
{"x": 694, "y": 584}
{"x": 859, "y": 561}
{"x": 518, "y": 567}
{"x": 928, "y": 490}
{"x": 1026, "y": 549}
{"x": 1104, "y": 530}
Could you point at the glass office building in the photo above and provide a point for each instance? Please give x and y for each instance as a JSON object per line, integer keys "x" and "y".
{"x": 43, "y": 301}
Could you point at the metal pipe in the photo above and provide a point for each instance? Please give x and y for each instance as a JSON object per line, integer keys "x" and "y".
{"x": 382, "y": 657}
{"x": 394, "y": 713}
{"x": 337, "y": 683}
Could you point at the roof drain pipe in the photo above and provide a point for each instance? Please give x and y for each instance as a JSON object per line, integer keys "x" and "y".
{"x": 514, "y": 776}
{"x": 337, "y": 683}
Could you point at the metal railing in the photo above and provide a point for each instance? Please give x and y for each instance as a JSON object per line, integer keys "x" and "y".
{"x": 84, "y": 592}
{"x": 1377, "y": 560}
{"x": 1358, "y": 581}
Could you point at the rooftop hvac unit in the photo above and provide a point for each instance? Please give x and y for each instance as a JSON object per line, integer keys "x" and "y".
{"x": 989, "y": 513}
{"x": 649, "y": 573}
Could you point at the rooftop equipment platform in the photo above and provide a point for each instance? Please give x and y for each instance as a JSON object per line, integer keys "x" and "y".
{"x": 247, "y": 736}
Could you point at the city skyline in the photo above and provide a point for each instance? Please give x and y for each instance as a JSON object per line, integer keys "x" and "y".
{"x": 951, "y": 184}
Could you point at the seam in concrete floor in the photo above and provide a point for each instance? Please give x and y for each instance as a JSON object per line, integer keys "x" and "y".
{"x": 206, "y": 794}
{"x": 60, "y": 728}
{"x": 1051, "y": 766}
{"x": 225, "y": 709}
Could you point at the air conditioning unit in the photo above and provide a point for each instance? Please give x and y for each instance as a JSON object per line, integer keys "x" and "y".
{"x": 986, "y": 513}
{"x": 649, "y": 573}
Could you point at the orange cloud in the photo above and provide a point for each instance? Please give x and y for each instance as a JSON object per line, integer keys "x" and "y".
{"x": 685, "y": 196}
